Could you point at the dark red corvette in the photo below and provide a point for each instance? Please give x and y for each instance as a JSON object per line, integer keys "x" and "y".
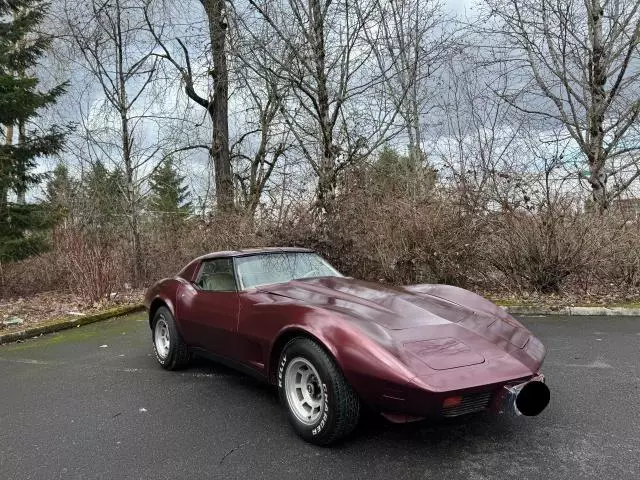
{"x": 332, "y": 343}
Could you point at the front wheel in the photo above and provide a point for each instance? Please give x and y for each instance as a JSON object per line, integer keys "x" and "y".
{"x": 321, "y": 405}
{"x": 171, "y": 351}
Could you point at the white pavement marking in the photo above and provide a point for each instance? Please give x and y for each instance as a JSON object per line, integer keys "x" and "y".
{"x": 594, "y": 364}
{"x": 31, "y": 361}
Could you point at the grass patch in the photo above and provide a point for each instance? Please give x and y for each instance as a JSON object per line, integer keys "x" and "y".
{"x": 68, "y": 321}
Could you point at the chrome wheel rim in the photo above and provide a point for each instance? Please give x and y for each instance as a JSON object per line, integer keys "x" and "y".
{"x": 303, "y": 387}
{"x": 161, "y": 338}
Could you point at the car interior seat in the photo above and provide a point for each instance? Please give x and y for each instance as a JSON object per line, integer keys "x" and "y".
{"x": 218, "y": 282}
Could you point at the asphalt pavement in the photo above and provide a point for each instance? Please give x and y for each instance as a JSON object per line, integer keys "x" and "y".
{"x": 91, "y": 403}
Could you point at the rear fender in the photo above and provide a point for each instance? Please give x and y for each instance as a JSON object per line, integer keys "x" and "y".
{"x": 164, "y": 293}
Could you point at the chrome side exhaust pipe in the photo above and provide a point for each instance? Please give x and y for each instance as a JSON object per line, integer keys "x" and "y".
{"x": 529, "y": 398}
{"x": 533, "y": 398}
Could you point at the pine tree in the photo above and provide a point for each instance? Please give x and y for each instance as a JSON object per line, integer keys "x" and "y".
{"x": 103, "y": 199}
{"x": 169, "y": 196}
{"x": 60, "y": 192}
{"x": 22, "y": 227}
{"x": 396, "y": 174}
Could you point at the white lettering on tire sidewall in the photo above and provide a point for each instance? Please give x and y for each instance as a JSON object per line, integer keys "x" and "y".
{"x": 281, "y": 370}
{"x": 325, "y": 414}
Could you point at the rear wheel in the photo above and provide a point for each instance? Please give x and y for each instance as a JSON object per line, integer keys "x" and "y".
{"x": 321, "y": 405}
{"x": 170, "y": 350}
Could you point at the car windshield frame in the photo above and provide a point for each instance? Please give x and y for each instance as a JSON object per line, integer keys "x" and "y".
{"x": 240, "y": 281}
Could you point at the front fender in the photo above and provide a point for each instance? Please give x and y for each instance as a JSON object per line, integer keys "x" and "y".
{"x": 370, "y": 368}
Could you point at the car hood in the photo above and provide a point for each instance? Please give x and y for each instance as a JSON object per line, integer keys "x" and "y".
{"x": 395, "y": 308}
{"x": 442, "y": 327}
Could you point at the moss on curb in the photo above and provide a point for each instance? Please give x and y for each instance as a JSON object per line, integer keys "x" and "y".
{"x": 532, "y": 304}
{"x": 572, "y": 311}
{"x": 66, "y": 322}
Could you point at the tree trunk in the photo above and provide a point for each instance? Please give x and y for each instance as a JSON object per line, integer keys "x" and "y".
{"x": 326, "y": 170}
{"x": 218, "y": 110}
{"x": 415, "y": 152}
{"x": 131, "y": 191}
{"x": 21, "y": 189}
{"x": 137, "y": 249}
{"x": 596, "y": 154}
{"x": 253, "y": 198}
{"x": 4, "y": 176}
{"x": 326, "y": 192}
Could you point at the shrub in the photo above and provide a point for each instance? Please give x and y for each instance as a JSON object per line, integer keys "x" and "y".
{"x": 542, "y": 250}
{"x": 94, "y": 268}
{"x": 166, "y": 251}
{"x": 31, "y": 276}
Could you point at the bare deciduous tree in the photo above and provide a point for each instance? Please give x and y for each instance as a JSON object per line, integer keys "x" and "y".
{"x": 583, "y": 73}
{"x": 335, "y": 112}
{"x": 261, "y": 158}
{"x": 215, "y": 104}
{"x": 261, "y": 137}
{"x": 415, "y": 42}
{"x": 111, "y": 38}
{"x": 477, "y": 142}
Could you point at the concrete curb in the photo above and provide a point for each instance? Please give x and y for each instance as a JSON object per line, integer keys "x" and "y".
{"x": 68, "y": 322}
{"x": 571, "y": 311}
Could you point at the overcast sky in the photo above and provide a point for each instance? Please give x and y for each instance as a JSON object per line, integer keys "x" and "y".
{"x": 458, "y": 5}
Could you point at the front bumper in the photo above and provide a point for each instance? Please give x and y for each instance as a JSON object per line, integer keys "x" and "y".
{"x": 528, "y": 397}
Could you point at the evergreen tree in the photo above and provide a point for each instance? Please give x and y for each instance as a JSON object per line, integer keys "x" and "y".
{"x": 169, "y": 197}
{"x": 22, "y": 227}
{"x": 60, "y": 192}
{"x": 396, "y": 174}
{"x": 103, "y": 198}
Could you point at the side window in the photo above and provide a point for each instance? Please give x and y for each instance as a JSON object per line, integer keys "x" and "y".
{"x": 216, "y": 275}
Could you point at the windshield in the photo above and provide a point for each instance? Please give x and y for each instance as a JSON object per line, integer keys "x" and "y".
{"x": 254, "y": 270}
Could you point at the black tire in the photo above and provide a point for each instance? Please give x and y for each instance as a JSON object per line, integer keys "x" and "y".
{"x": 341, "y": 409}
{"x": 178, "y": 355}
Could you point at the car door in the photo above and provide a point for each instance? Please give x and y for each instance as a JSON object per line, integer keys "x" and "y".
{"x": 208, "y": 307}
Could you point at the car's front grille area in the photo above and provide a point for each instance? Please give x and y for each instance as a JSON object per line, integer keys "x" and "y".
{"x": 470, "y": 403}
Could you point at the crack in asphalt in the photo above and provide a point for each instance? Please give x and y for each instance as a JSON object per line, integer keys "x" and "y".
{"x": 237, "y": 447}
